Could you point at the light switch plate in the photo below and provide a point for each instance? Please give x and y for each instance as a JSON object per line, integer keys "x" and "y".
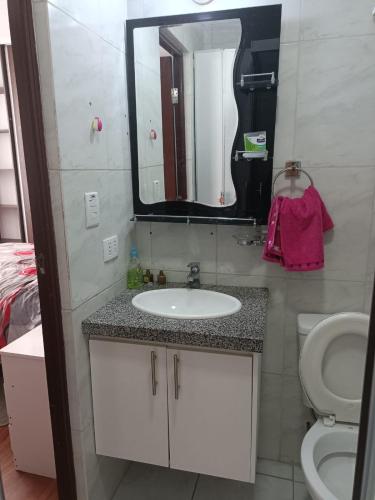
{"x": 92, "y": 209}
{"x": 110, "y": 248}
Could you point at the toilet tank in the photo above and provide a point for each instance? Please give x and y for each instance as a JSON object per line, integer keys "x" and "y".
{"x": 305, "y": 323}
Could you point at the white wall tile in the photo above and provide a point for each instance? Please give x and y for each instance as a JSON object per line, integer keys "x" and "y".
{"x": 135, "y": 9}
{"x": 174, "y": 246}
{"x": 290, "y": 13}
{"x": 97, "y": 87}
{"x": 270, "y": 416}
{"x": 368, "y": 291}
{"x": 336, "y": 18}
{"x": 115, "y": 102}
{"x": 293, "y": 421}
{"x": 236, "y": 259}
{"x": 60, "y": 237}
{"x": 89, "y": 274}
{"x": 142, "y": 235}
{"x": 105, "y": 20}
{"x": 335, "y": 107}
{"x": 79, "y": 465}
{"x": 46, "y": 81}
{"x": 286, "y": 105}
{"x": 181, "y": 277}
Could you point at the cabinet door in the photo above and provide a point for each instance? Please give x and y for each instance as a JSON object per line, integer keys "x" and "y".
{"x": 210, "y": 413}
{"x": 129, "y": 389}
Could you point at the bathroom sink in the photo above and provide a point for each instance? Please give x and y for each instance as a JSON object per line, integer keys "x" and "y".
{"x": 186, "y": 303}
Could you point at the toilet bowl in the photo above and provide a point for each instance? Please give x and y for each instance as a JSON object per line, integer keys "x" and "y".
{"x": 332, "y": 362}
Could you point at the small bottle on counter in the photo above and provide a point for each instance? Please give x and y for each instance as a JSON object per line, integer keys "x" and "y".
{"x": 148, "y": 278}
{"x": 135, "y": 273}
{"x": 162, "y": 279}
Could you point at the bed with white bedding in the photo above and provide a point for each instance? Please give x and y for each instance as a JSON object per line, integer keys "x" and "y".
{"x": 19, "y": 296}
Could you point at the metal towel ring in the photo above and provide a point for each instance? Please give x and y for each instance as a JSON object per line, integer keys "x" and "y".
{"x": 292, "y": 169}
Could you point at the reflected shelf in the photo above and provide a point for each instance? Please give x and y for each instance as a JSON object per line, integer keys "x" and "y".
{"x": 254, "y": 81}
{"x": 251, "y": 155}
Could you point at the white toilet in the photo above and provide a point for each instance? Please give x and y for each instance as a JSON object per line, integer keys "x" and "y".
{"x": 332, "y": 362}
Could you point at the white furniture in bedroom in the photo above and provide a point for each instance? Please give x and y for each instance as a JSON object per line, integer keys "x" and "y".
{"x": 26, "y": 395}
{"x": 13, "y": 191}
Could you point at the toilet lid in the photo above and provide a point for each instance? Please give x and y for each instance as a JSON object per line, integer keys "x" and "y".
{"x": 332, "y": 365}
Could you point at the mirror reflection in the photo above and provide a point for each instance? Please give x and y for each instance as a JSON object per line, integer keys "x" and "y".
{"x": 186, "y": 111}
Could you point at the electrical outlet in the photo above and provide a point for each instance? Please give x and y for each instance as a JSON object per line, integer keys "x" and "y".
{"x": 92, "y": 209}
{"x": 110, "y": 248}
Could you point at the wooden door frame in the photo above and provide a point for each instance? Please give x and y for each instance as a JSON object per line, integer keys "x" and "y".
{"x": 30, "y": 107}
{"x": 175, "y": 50}
{"x": 368, "y": 389}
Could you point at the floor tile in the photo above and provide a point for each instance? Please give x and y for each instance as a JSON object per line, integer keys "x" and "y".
{"x": 265, "y": 488}
{"x": 300, "y": 492}
{"x": 275, "y": 469}
{"x": 149, "y": 482}
{"x": 298, "y": 474}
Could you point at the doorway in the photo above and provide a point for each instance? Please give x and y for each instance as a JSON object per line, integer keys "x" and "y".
{"x": 31, "y": 125}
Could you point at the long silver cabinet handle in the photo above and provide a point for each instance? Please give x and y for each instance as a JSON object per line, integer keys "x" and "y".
{"x": 153, "y": 372}
{"x": 176, "y": 382}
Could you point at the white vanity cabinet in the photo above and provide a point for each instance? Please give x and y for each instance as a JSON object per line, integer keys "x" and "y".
{"x": 130, "y": 411}
{"x": 192, "y": 410}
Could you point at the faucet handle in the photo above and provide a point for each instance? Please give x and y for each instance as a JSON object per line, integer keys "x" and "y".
{"x": 194, "y": 266}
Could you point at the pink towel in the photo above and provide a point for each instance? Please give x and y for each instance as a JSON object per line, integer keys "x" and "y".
{"x": 295, "y": 232}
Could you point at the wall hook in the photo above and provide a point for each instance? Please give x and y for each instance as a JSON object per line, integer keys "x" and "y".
{"x": 97, "y": 124}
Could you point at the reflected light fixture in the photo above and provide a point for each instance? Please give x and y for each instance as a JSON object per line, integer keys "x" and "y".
{"x": 202, "y": 2}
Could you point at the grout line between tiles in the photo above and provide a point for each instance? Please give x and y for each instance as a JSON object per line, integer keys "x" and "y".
{"x": 275, "y": 476}
{"x": 293, "y": 481}
{"x": 195, "y": 486}
{"x": 123, "y": 477}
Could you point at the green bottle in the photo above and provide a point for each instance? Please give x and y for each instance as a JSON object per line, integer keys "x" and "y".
{"x": 135, "y": 274}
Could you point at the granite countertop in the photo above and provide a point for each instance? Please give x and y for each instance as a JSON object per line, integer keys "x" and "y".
{"x": 242, "y": 331}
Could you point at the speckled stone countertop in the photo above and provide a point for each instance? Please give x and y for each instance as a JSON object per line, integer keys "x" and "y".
{"x": 242, "y": 331}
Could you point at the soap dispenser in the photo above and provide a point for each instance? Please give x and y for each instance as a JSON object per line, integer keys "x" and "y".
{"x": 135, "y": 274}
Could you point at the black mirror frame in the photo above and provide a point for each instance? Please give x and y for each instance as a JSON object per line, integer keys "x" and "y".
{"x": 266, "y": 18}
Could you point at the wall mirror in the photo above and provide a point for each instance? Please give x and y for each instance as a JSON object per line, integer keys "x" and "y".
{"x": 202, "y": 93}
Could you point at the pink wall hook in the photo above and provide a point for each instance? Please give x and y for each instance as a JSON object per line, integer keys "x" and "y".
{"x": 97, "y": 124}
{"x": 153, "y": 134}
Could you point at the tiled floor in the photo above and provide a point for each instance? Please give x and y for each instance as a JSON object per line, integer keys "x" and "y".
{"x": 274, "y": 481}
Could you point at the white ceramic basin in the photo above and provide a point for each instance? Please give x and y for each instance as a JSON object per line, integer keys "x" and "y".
{"x": 186, "y": 303}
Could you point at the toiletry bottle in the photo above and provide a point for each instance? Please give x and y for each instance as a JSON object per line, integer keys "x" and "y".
{"x": 162, "y": 279}
{"x": 146, "y": 276}
{"x": 135, "y": 274}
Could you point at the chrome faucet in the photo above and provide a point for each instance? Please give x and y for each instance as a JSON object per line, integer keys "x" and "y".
{"x": 193, "y": 280}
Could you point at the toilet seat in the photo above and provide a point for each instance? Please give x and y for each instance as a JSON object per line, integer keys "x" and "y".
{"x": 332, "y": 366}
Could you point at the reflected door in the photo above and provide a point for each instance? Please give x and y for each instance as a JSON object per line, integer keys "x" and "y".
{"x": 166, "y": 80}
{"x": 216, "y": 121}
